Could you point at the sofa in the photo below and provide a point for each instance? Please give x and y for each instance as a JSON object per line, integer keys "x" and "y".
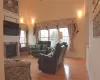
{"x": 51, "y": 62}
{"x": 17, "y": 70}
{"x": 39, "y": 47}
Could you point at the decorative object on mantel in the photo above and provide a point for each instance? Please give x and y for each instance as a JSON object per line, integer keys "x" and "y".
{"x": 70, "y": 23}
{"x": 11, "y": 5}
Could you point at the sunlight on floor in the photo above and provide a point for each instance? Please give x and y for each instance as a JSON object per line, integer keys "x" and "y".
{"x": 67, "y": 71}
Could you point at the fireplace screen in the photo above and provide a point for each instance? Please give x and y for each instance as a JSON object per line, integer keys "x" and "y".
{"x": 10, "y": 50}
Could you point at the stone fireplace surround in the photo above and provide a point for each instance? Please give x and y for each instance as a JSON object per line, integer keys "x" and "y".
{"x": 9, "y": 16}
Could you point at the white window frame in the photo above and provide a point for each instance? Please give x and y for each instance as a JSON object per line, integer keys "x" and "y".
{"x": 23, "y": 44}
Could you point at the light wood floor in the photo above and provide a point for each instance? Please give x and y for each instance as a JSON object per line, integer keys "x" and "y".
{"x": 73, "y": 69}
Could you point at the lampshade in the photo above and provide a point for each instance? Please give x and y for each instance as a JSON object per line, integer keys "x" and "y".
{"x": 59, "y": 35}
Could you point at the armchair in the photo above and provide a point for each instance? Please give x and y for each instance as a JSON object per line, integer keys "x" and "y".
{"x": 17, "y": 70}
{"x": 55, "y": 58}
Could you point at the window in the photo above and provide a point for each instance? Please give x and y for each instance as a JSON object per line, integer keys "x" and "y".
{"x": 23, "y": 38}
{"x": 52, "y": 35}
{"x": 65, "y": 34}
{"x": 44, "y": 35}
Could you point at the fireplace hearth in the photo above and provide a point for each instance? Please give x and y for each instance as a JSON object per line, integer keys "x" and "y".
{"x": 10, "y": 49}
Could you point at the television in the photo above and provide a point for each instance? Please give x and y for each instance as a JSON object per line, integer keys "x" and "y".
{"x": 10, "y": 28}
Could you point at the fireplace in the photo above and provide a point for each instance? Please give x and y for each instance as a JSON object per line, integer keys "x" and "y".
{"x": 10, "y": 49}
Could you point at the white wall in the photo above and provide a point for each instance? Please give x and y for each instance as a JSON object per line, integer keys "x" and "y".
{"x": 93, "y": 52}
{"x": 1, "y": 42}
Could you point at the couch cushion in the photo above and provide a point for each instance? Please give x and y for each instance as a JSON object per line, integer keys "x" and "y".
{"x": 38, "y": 46}
{"x": 48, "y": 43}
{"x": 44, "y": 46}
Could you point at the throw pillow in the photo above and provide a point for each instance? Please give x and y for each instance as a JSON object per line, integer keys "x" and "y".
{"x": 38, "y": 46}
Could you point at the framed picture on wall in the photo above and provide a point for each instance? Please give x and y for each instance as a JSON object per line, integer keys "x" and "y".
{"x": 11, "y": 5}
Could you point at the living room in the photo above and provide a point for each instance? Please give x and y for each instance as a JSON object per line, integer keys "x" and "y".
{"x": 35, "y": 10}
{"x": 50, "y": 16}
